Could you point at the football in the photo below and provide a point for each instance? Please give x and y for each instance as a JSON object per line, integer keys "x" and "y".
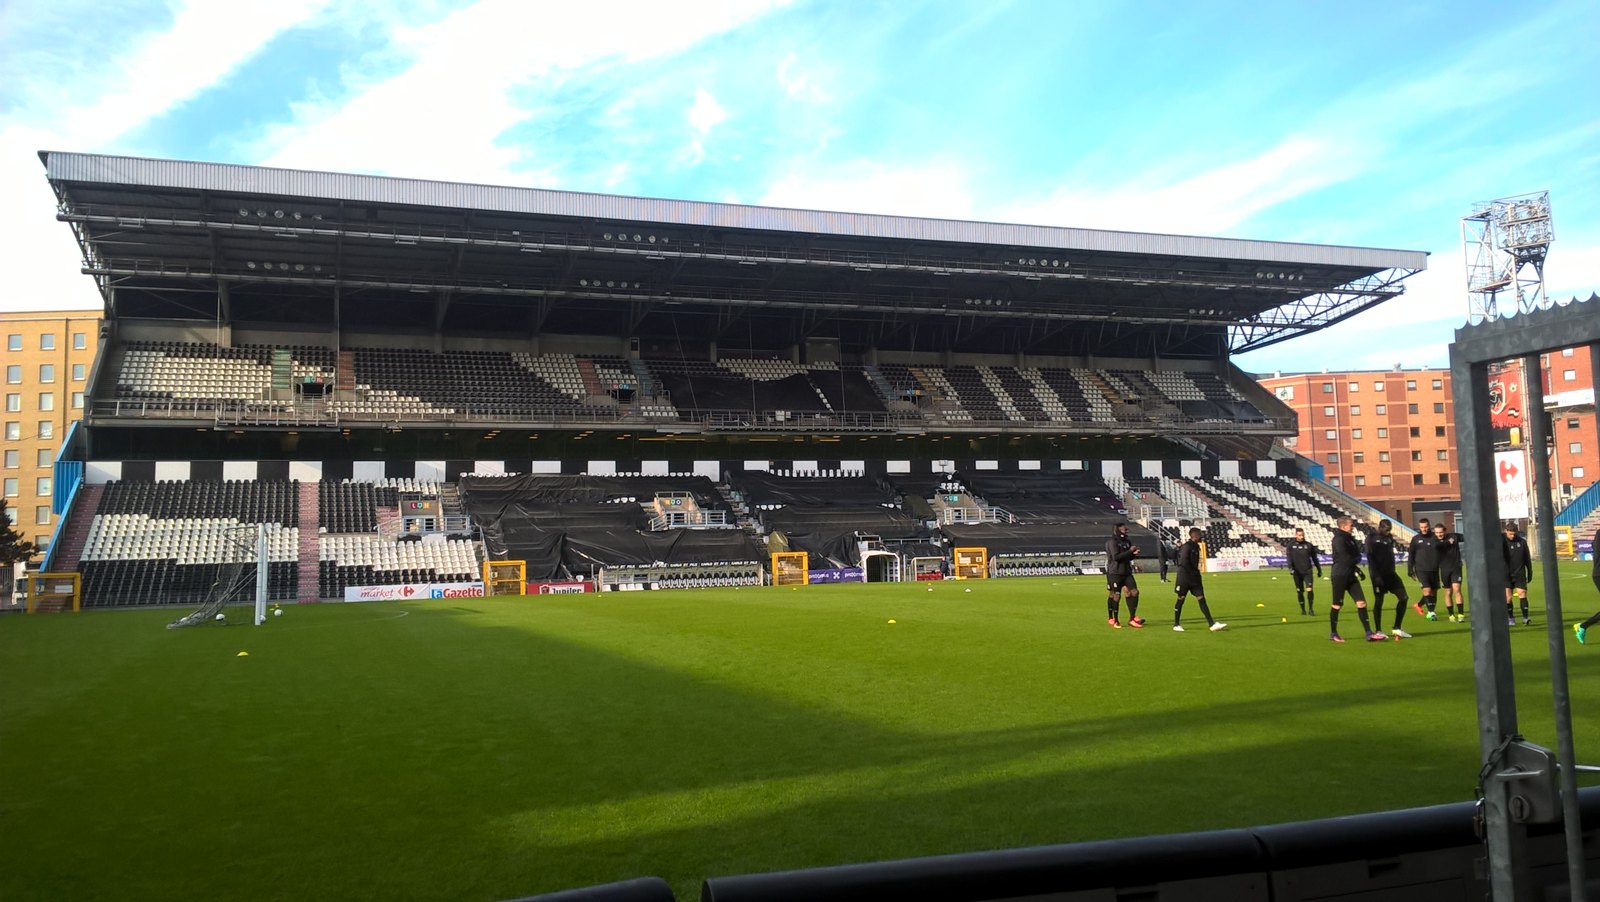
{"x": 221, "y": 617}
{"x": 277, "y": 612}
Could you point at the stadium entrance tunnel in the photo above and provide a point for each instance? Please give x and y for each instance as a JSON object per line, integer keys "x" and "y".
{"x": 880, "y": 567}
{"x": 1416, "y": 854}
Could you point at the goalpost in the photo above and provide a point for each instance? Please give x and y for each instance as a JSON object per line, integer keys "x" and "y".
{"x": 241, "y": 581}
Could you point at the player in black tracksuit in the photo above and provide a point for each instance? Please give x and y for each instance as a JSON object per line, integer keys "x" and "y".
{"x": 1449, "y": 545}
{"x": 1422, "y": 564}
{"x": 1120, "y": 555}
{"x": 1582, "y": 629}
{"x": 1346, "y": 577}
{"x": 1380, "y": 560}
{"x": 1188, "y": 561}
{"x": 1302, "y": 557}
{"x": 1519, "y": 572}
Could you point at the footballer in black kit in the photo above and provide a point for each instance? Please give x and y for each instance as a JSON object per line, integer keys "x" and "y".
{"x": 1581, "y": 630}
{"x": 1380, "y": 561}
{"x": 1346, "y": 577}
{"x": 1449, "y": 547}
{"x": 1422, "y": 564}
{"x": 1303, "y": 556}
{"x": 1188, "y": 561}
{"x": 1120, "y": 584}
{"x": 1519, "y": 572}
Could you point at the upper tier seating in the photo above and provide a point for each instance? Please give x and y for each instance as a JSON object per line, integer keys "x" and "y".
{"x": 400, "y": 383}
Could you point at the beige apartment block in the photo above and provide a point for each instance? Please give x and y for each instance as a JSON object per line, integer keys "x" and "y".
{"x": 46, "y": 358}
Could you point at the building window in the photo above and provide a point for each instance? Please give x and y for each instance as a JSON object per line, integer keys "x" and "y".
{"x": 41, "y": 487}
{"x": 47, "y": 372}
{"x": 1383, "y": 432}
{"x": 47, "y": 428}
{"x": 1385, "y": 480}
{"x": 1438, "y": 432}
{"x": 1411, "y": 385}
{"x": 13, "y": 402}
{"x": 1566, "y": 352}
{"x": 79, "y": 341}
{"x": 1569, "y": 375}
{"x": 45, "y": 457}
{"x": 77, "y": 372}
{"x": 77, "y": 400}
{"x": 1327, "y": 388}
{"x": 1572, "y": 447}
{"x": 1355, "y": 387}
{"x": 1333, "y": 481}
{"x": 1444, "y": 478}
{"x": 1444, "y": 455}
{"x": 1355, "y": 410}
{"x": 1361, "y": 457}
{"x": 1411, "y": 408}
{"x": 1383, "y": 410}
{"x": 1331, "y": 434}
{"x": 13, "y": 431}
{"x": 14, "y": 374}
{"x": 13, "y": 342}
{"x": 1416, "y": 455}
{"x": 1416, "y": 479}
{"x": 1333, "y": 458}
{"x": 1438, "y": 407}
{"x": 11, "y": 486}
{"x": 13, "y": 458}
{"x": 1438, "y": 385}
{"x": 42, "y": 543}
{"x": 1355, "y": 433}
{"x": 41, "y": 515}
{"x": 47, "y": 341}
{"x": 1327, "y": 411}
{"x": 1383, "y": 457}
{"x": 1577, "y": 472}
{"x": 1377, "y": 386}
{"x": 47, "y": 400}
{"x": 1361, "y": 480}
{"x": 1416, "y": 432}
{"x": 1572, "y": 423}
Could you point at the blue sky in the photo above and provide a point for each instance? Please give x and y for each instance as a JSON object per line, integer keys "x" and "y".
{"x": 1375, "y": 124}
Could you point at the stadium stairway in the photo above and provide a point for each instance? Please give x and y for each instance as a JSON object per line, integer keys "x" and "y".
{"x": 77, "y": 529}
{"x": 310, "y": 514}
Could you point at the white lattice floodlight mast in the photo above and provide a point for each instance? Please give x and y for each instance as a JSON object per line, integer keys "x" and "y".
{"x": 1506, "y": 242}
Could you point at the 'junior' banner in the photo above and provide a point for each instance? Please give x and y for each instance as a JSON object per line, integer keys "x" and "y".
{"x": 413, "y": 591}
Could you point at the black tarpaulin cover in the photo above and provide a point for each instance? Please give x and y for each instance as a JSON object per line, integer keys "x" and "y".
{"x": 821, "y": 515}
{"x": 578, "y": 523}
{"x": 1086, "y": 537}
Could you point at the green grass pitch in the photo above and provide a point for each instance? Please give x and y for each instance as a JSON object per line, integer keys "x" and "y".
{"x": 490, "y": 748}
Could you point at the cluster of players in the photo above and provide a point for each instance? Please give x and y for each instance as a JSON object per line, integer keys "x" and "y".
{"x": 1433, "y": 560}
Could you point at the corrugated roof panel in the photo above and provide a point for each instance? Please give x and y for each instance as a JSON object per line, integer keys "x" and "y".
{"x": 135, "y": 171}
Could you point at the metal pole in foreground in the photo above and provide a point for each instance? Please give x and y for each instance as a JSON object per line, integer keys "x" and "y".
{"x": 1554, "y": 625}
{"x": 1491, "y": 638}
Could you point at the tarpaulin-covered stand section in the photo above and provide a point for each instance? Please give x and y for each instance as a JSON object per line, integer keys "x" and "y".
{"x": 1061, "y": 512}
{"x": 822, "y": 515}
{"x": 1055, "y": 497}
{"x": 571, "y": 525}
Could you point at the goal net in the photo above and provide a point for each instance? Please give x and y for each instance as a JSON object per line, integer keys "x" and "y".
{"x": 239, "y": 592}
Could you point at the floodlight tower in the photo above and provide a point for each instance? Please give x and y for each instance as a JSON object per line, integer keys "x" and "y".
{"x": 1506, "y": 241}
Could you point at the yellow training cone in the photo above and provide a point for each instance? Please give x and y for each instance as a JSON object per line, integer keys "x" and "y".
{"x": 891, "y": 621}
{"x": 242, "y": 654}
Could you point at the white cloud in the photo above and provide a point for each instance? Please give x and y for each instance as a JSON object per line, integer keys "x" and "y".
{"x": 798, "y": 83}
{"x": 1214, "y": 201}
{"x": 85, "y": 107}
{"x": 474, "y": 75}
{"x": 705, "y": 114}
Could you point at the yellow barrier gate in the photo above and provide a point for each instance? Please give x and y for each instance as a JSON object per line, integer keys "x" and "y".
{"x": 505, "y": 577}
{"x": 791, "y": 568}
{"x": 972, "y": 563}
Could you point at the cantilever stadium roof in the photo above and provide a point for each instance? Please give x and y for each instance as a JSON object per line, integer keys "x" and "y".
{"x": 169, "y": 238}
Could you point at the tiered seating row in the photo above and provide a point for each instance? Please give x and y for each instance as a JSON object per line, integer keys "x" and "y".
{"x": 403, "y": 383}
{"x": 365, "y": 560}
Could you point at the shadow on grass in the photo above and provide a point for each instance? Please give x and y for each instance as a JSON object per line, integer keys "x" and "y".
{"x": 447, "y": 756}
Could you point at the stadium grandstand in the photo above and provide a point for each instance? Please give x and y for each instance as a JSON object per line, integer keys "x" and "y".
{"x": 398, "y": 380}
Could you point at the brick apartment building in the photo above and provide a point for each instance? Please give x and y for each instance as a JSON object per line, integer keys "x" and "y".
{"x": 47, "y": 357}
{"x": 1388, "y": 437}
